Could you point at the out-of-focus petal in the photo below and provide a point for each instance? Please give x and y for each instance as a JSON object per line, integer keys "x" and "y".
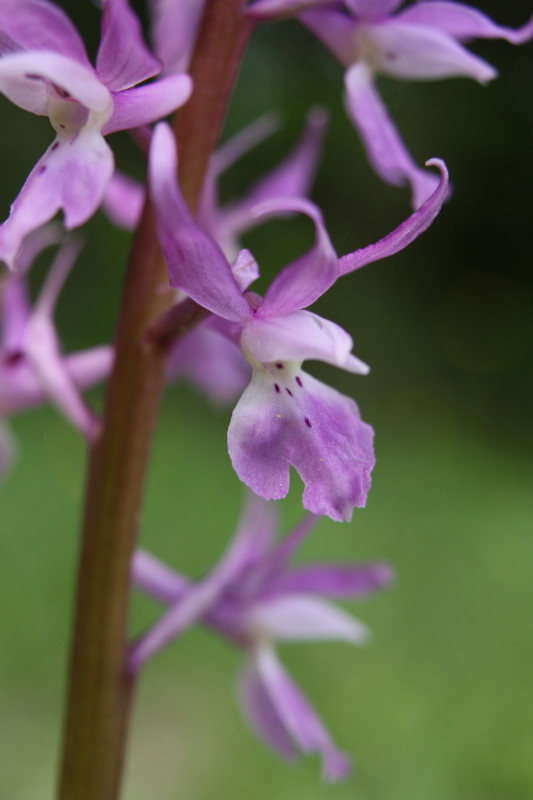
{"x": 37, "y": 241}
{"x": 300, "y": 336}
{"x": 301, "y": 617}
{"x": 303, "y": 281}
{"x": 404, "y": 234}
{"x": 123, "y": 201}
{"x": 383, "y": 144}
{"x": 298, "y": 716}
{"x": 259, "y": 710}
{"x": 23, "y": 79}
{"x": 38, "y": 25}
{"x": 156, "y": 579}
{"x": 463, "y": 22}
{"x": 123, "y": 58}
{"x": 72, "y": 176}
{"x": 336, "y": 31}
{"x": 298, "y": 421}
{"x": 8, "y": 450}
{"x": 372, "y": 9}
{"x": 244, "y": 140}
{"x": 418, "y": 52}
{"x": 195, "y": 262}
{"x": 145, "y": 104}
{"x": 14, "y": 315}
{"x": 245, "y": 269}
{"x": 276, "y": 9}
{"x": 334, "y": 580}
{"x": 174, "y": 25}
{"x": 211, "y": 362}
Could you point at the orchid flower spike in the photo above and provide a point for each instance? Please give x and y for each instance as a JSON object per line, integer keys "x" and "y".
{"x": 32, "y": 367}
{"x": 254, "y": 597}
{"x": 422, "y": 42}
{"x": 44, "y": 68}
{"x": 285, "y": 417}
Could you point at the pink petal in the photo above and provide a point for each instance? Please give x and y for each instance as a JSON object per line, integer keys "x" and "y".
{"x": 123, "y": 58}
{"x": 156, "y": 579}
{"x": 303, "y": 281}
{"x": 24, "y": 77}
{"x": 418, "y": 52}
{"x": 301, "y": 617}
{"x": 196, "y": 264}
{"x": 72, "y": 176}
{"x": 146, "y": 104}
{"x": 174, "y": 28}
{"x": 383, "y": 144}
{"x": 123, "y": 200}
{"x": 298, "y": 716}
{"x": 372, "y": 9}
{"x": 463, "y": 22}
{"x": 39, "y": 25}
{"x": 406, "y": 232}
{"x": 300, "y": 336}
{"x": 276, "y": 9}
{"x": 334, "y": 580}
{"x": 294, "y": 420}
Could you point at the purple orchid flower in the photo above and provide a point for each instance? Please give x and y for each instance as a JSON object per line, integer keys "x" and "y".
{"x": 422, "y": 42}
{"x": 206, "y": 358}
{"x": 32, "y": 368}
{"x": 254, "y": 598}
{"x": 285, "y": 417}
{"x": 44, "y": 68}
{"x": 174, "y": 27}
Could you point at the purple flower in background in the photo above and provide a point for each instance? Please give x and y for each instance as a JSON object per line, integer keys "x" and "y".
{"x": 254, "y": 597}
{"x": 44, "y": 68}
{"x": 422, "y": 42}
{"x": 32, "y": 368}
{"x": 285, "y": 417}
{"x": 204, "y": 356}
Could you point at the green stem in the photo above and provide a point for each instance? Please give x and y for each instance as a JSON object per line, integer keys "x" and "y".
{"x": 100, "y": 691}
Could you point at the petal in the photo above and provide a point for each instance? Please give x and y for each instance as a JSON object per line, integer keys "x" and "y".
{"x": 305, "y": 618}
{"x": 146, "y": 104}
{"x": 38, "y": 25}
{"x": 156, "y": 579}
{"x": 404, "y": 234}
{"x": 300, "y": 336}
{"x": 72, "y": 176}
{"x": 36, "y": 242}
{"x": 336, "y": 31}
{"x": 418, "y": 52}
{"x": 123, "y": 58}
{"x": 372, "y": 9}
{"x": 298, "y": 716}
{"x": 123, "y": 200}
{"x": 174, "y": 28}
{"x": 310, "y": 427}
{"x": 276, "y": 9}
{"x": 21, "y": 74}
{"x": 303, "y": 281}
{"x": 245, "y": 140}
{"x": 245, "y": 269}
{"x": 261, "y": 713}
{"x": 211, "y": 362}
{"x": 383, "y": 144}
{"x": 8, "y": 450}
{"x": 195, "y": 262}
{"x": 334, "y": 580}
{"x": 463, "y": 22}
{"x": 14, "y": 313}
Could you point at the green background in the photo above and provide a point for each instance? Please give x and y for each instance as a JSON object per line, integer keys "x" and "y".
{"x": 439, "y": 705}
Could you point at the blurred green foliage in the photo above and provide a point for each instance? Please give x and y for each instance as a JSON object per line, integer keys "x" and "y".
{"x": 439, "y": 706}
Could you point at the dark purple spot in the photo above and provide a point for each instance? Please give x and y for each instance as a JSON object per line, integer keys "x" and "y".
{"x": 288, "y": 392}
{"x": 299, "y": 380}
{"x": 308, "y": 422}
{"x": 33, "y": 77}
{"x": 54, "y": 146}
{"x": 62, "y": 126}
{"x": 276, "y": 387}
{"x": 42, "y": 169}
{"x": 279, "y": 366}
{"x": 13, "y": 358}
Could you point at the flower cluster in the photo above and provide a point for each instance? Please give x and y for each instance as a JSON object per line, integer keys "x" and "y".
{"x": 244, "y": 347}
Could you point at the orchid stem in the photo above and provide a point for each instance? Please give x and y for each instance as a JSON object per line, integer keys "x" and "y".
{"x": 100, "y": 690}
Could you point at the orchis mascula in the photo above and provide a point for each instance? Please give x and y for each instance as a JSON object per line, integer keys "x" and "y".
{"x": 422, "y": 42}
{"x": 32, "y": 368}
{"x": 254, "y": 597}
{"x": 285, "y": 417}
{"x": 44, "y": 68}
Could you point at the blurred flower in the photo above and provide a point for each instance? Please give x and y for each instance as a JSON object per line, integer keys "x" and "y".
{"x": 44, "y": 68}
{"x": 32, "y": 367}
{"x": 422, "y": 42}
{"x": 285, "y": 417}
{"x": 255, "y": 597}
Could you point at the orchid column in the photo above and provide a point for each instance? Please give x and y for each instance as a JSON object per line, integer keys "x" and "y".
{"x": 100, "y": 690}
